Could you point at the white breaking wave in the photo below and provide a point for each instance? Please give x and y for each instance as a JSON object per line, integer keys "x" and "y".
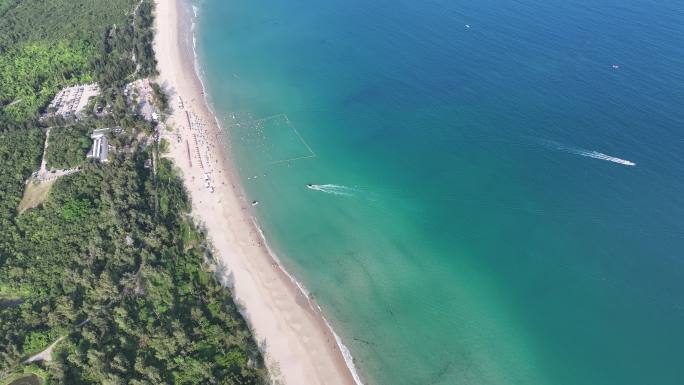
{"x": 346, "y": 354}
{"x": 588, "y": 153}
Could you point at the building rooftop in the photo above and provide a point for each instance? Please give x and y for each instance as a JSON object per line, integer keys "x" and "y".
{"x": 100, "y": 149}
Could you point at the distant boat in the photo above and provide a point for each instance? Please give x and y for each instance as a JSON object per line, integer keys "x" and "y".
{"x": 467, "y": 26}
{"x": 615, "y": 66}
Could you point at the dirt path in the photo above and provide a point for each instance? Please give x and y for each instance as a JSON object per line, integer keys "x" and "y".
{"x": 43, "y": 163}
{"x": 45, "y": 355}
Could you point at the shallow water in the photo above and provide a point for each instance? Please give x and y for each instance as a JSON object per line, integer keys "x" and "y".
{"x": 491, "y": 200}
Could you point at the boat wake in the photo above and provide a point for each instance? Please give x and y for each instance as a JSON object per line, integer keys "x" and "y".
{"x": 601, "y": 156}
{"x": 587, "y": 153}
{"x": 333, "y": 189}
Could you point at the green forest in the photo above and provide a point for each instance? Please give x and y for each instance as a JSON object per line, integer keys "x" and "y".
{"x": 113, "y": 262}
{"x": 20, "y": 153}
{"x": 47, "y": 44}
{"x": 68, "y": 146}
{"x": 110, "y": 266}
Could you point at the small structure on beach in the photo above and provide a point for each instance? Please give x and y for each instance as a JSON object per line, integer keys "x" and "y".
{"x": 100, "y": 149}
{"x": 71, "y": 101}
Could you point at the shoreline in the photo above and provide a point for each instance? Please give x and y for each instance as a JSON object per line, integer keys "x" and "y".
{"x": 298, "y": 343}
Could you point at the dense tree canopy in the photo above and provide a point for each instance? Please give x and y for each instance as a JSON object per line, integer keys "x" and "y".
{"x": 48, "y": 44}
{"x": 60, "y": 20}
{"x": 68, "y": 146}
{"x": 111, "y": 264}
{"x": 112, "y": 248}
{"x": 20, "y": 153}
{"x": 33, "y": 73}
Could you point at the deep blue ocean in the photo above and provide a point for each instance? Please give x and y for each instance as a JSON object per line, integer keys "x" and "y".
{"x": 496, "y": 187}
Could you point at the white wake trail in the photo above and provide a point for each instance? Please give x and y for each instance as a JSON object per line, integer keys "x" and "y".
{"x": 598, "y": 155}
{"x": 333, "y": 189}
{"x": 588, "y": 153}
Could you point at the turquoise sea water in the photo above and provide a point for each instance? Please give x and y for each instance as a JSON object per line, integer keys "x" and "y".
{"x": 474, "y": 218}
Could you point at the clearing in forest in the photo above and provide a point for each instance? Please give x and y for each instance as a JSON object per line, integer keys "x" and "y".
{"x": 36, "y": 192}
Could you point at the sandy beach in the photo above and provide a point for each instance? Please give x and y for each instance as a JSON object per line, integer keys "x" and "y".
{"x": 298, "y": 345}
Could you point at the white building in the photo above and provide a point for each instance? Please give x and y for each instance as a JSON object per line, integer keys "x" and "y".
{"x": 100, "y": 149}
